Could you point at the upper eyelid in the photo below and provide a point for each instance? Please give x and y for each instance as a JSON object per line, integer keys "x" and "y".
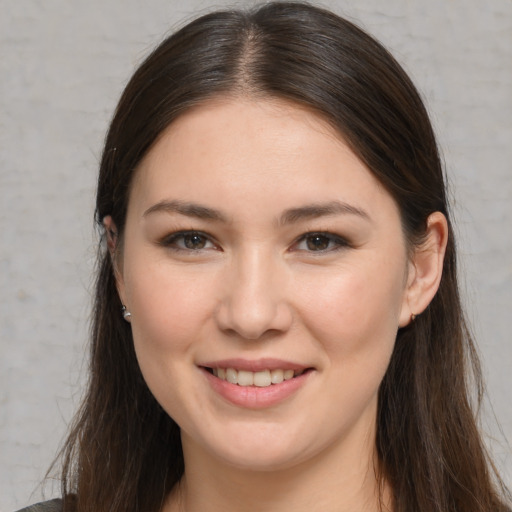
{"x": 167, "y": 239}
{"x": 184, "y": 232}
{"x": 327, "y": 234}
{"x": 341, "y": 240}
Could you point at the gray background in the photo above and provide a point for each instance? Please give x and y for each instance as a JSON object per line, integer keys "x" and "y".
{"x": 62, "y": 67}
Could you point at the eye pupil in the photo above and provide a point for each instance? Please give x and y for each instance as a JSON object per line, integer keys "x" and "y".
{"x": 317, "y": 243}
{"x": 194, "y": 241}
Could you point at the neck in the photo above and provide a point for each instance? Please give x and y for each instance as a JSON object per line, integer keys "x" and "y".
{"x": 330, "y": 482}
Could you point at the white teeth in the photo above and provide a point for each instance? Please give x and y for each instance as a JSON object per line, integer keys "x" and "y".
{"x": 288, "y": 374}
{"x": 260, "y": 379}
{"x": 232, "y": 376}
{"x": 245, "y": 378}
{"x": 277, "y": 376}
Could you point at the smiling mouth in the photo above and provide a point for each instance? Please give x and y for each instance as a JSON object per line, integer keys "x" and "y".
{"x": 259, "y": 379}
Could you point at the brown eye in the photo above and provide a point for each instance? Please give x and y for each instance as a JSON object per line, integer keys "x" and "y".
{"x": 317, "y": 242}
{"x": 194, "y": 241}
{"x": 320, "y": 242}
{"x": 188, "y": 241}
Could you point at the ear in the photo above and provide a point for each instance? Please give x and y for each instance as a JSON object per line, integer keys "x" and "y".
{"x": 111, "y": 232}
{"x": 113, "y": 248}
{"x": 425, "y": 269}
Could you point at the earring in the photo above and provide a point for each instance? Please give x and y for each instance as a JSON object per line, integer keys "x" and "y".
{"x": 126, "y": 314}
{"x": 413, "y": 317}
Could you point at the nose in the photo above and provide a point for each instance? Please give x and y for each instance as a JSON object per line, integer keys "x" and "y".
{"x": 253, "y": 301}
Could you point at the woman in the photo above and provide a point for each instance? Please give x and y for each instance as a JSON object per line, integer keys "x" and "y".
{"x": 277, "y": 322}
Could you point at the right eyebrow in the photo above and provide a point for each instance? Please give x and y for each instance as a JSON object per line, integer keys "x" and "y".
{"x": 187, "y": 209}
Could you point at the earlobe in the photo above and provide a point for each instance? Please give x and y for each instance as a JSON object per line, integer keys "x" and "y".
{"x": 426, "y": 269}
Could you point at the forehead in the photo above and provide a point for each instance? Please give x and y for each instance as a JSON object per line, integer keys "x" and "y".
{"x": 249, "y": 152}
{"x": 223, "y": 122}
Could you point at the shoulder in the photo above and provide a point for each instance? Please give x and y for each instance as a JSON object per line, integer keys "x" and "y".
{"x": 45, "y": 506}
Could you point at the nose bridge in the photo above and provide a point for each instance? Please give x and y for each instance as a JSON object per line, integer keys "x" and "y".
{"x": 254, "y": 301}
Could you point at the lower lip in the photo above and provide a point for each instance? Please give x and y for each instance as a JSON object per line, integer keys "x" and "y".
{"x": 253, "y": 397}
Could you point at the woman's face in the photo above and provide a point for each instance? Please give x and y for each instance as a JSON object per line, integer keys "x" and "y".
{"x": 259, "y": 249}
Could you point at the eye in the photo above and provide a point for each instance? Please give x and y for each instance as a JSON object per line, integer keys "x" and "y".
{"x": 188, "y": 241}
{"x": 319, "y": 242}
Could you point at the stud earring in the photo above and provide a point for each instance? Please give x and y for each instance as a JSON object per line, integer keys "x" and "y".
{"x": 126, "y": 314}
{"x": 413, "y": 317}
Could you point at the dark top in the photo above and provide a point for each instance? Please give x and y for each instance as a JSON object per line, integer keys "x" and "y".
{"x": 45, "y": 506}
{"x": 56, "y": 506}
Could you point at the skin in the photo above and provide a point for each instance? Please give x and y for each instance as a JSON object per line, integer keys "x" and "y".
{"x": 268, "y": 276}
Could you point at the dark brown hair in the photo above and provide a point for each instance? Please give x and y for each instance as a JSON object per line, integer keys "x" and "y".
{"x": 124, "y": 453}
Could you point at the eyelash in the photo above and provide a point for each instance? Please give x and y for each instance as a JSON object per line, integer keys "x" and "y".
{"x": 172, "y": 241}
{"x": 334, "y": 242}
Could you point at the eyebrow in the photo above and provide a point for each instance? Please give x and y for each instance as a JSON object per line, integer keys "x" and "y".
{"x": 187, "y": 209}
{"x": 313, "y": 211}
{"x": 290, "y": 216}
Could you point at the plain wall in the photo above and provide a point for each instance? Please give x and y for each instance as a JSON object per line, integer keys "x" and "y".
{"x": 63, "y": 65}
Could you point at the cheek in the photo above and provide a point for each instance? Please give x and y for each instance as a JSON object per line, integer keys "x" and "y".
{"x": 354, "y": 321}
{"x": 169, "y": 309}
{"x": 169, "y": 306}
{"x": 355, "y": 312}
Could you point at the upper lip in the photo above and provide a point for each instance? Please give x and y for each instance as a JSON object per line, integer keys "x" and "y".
{"x": 256, "y": 365}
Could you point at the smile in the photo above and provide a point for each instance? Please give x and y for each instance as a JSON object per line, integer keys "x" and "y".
{"x": 256, "y": 384}
{"x": 259, "y": 379}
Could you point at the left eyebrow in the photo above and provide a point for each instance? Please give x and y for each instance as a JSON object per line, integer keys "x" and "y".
{"x": 315, "y": 210}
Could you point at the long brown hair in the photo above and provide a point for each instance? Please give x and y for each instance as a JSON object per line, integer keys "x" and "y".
{"x": 124, "y": 453}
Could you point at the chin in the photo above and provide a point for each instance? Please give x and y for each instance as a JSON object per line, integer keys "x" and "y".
{"x": 257, "y": 460}
{"x": 259, "y": 448}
